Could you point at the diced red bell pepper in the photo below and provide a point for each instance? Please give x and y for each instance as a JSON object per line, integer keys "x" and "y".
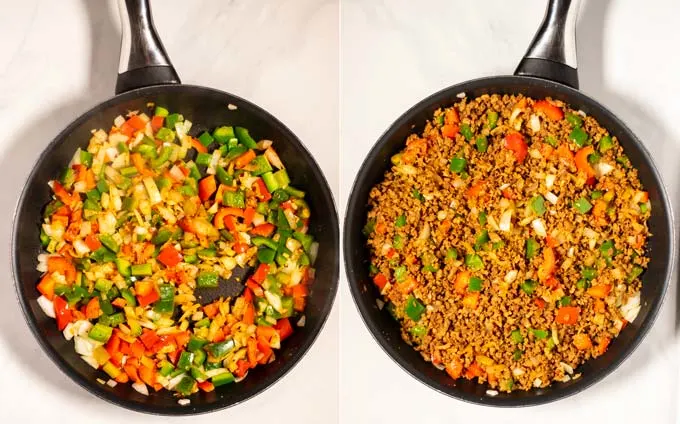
{"x": 264, "y": 230}
{"x": 262, "y": 193}
{"x": 62, "y": 194}
{"x": 62, "y": 266}
{"x": 169, "y": 256}
{"x": 582, "y": 164}
{"x": 261, "y": 273}
{"x": 240, "y": 247}
{"x": 62, "y": 312}
{"x": 206, "y": 187}
{"x": 515, "y": 142}
{"x": 46, "y": 286}
{"x": 149, "y": 338}
{"x": 284, "y": 328}
{"x": 136, "y": 122}
{"x": 550, "y": 110}
{"x": 255, "y": 287}
{"x": 248, "y": 215}
{"x": 265, "y": 350}
{"x": 380, "y": 280}
{"x": 157, "y": 123}
{"x": 242, "y": 368}
{"x": 230, "y": 222}
{"x": 244, "y": 159}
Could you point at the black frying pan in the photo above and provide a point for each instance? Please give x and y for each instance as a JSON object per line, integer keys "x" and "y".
{"x": 547, "y": 70}
{"x": 146, "y": 75}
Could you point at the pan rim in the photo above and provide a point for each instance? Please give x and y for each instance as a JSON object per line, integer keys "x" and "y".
{"x": 93, "y": 387}
{"x": 353, "y": 203}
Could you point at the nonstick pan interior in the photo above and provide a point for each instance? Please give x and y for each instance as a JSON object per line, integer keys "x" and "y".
{"x": 206, "y": 108}
{"x": 386, "y": 330}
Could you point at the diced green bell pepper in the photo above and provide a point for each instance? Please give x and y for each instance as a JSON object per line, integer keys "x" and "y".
{"x": 259, "y": 165}
{"x": 222, "y": 379}
{"x": 162, "y": 236}
{"x": 199, "y": 357}
{"x": 223, "y": 134}
{"x": 186, "y": 385}
{"x": 282, "y": 178}
{"x": 207, "y": 279}
{"x": 113, "y": 320}
{"x": 166, "y": 303}
{"x": 161, "y": 111}
{"x": 185, "y": 360}
{"x": 141, "y": 270}
{"x": 235, "y": 199}
{"x": 414, "y": 308}
{"x": 270, "y": 181}
{"x": 100, "y": 333}
{"x": 108, "y": 241}
{"x": 223, "y": 177}
{"x": 531, "y": 248}
{"x": 86, "y": 158}
{"x": 165, "y": 134}
{"x": 220, "y": 349}
{"x": 265, "y": 255}
{"x": 244, "y": 137}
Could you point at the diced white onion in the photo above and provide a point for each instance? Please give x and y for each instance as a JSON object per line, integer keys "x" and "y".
{"x": 90, "y": 361}
{"x": 68, "y": 331}
{"x": 184, "y": 402}
{"x": 152, "y": 190}
{"x": 81, "y": 247}
{"x": 631, "y": 308}
{"x": 425, "y": 232}
{"x": 538, "y": 382}
{"x": 458, "y": 183}
{"x": 551, "y": 197}
{"x": 602, "y": 169}
{"x": 84, "y": 346}
{"x": 505, "y": 223}
{"x": 273, "y": 158}
{"x": 119, "y": 121}
{"x": 534, "y": 123}
{"x": 517, "y": 372}
{"x": 534, "y": 153}
{"x": 302, "y": 321}
{"x": 313, "y": 252}
{"x": 258, "y": 219}
{"x": 172, "y": 383}
{"x": 47, "y": 306}
{"x": 111, "y": 383}
{"x": 492, "y": 392}
{"x": 510, "y": 276}
{"x": 590, "y": 233}
{"x": 141, "y": 388}
{"x": 515, "y": 113}
{"x": 549, "y": 181}
{"x": 212, "y": 166}
{"x": 42, "y": 262}
{"x": 567, "y": 368}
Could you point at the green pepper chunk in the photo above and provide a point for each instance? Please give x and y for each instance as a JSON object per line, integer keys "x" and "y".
{"x": 185, "y": 360}
{"x": 259, "y": 165}
{"x": 528, "y": 286}
{"x": 589, "y": 273}
{"x": 166, "y": 303}
{"x": 172, "y": 119}
{"x": 244, "y": 137}
{"x": 207, "y": 279}
{"x": 86, "y": 158}
{"x": 482, "y": 144}
{"x": 417, "y": 195}
{"x": 574, "y": 120}
{"x": 474, "y": 262}
{"x": 451, "y": 254}
{"x": 418, "y": 331}
{"x": 538, "y": 205}
{"x": 165, "y": 134}
{"x": 265, "y": 255}
{"x": 223, "y": 177}
{"x": 264, "y": 241}
{"x": 466, "y": 131}
{"x": 186, "y": 385}
{"x": 270, "y": 181}
{"x": 219, "y": 350}
{"x": 457, "y": 165}
{"x": 162, "y": 236}
{"x": 605, "y": 144}
{"x": 582, "y": 205}
{"x": 400, "y": 222}
{"x": 414, "y": 308}
{"x": 540, "y": 334}
{"x": 298, "y": 194}
{"x": 579, "y": 136}
{"x": 113, "y": 320}
{"x": 398, "y": 242}
{"x": 205, "y": 139}
{"x": 103, "y": 285}
{"x": 109, "y": 242}
{"x": 224, "y": 134}
{"x": 475, "y": 284}
{"x": 141, "y": 270}
{"x": 196, "y": 343}
{"x": 516, "y": 336}
{"x": 565, "y": 301}
{"x": 203, "y": 159}
{"x": 235, "y": 199}
{"x": 481, "y": 240}
{"x": 634, "y": 273}
{"x": 491, "y": 119}
{"x": 160, "y": 111}
{"x": 100, "y": 333}
{"x": 222, "y": 379}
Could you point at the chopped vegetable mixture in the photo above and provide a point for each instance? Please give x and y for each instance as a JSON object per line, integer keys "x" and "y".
{"x": 147, "y": 214}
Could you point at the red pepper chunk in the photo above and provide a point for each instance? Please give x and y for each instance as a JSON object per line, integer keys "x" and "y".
{"x": 264, "y": 230}
{"x": 206, "y": 187}
{"x": 262, "y": 192}
{"x": 515, "y": 142}
{"x": 261, "y": 273}
{"x": 169, "y": 256}
{"x": 549, "y": 110}
{"x": 284, "y": 328}
{"x": 380, "y": 280}
{"x": 63, "y": 314}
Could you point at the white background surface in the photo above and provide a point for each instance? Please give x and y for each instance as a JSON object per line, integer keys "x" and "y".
{"x": 59, "y": 58}
{"x": 395, "y": 53}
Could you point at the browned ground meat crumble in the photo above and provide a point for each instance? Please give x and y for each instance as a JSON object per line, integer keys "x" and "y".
{"x": 439, "y": 239}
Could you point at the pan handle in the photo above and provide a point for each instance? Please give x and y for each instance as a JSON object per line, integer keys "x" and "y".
{"x": 143, "y": 60}
{"x": 552, "y": 52}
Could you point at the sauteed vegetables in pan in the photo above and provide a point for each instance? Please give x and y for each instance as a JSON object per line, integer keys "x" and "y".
{"x": 508, "y": 240}
{"x": 147, "y": 214}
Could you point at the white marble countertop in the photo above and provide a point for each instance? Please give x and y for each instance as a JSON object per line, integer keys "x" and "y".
{"x": 59, "y": 58}
{"x": 397, "y": 52}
